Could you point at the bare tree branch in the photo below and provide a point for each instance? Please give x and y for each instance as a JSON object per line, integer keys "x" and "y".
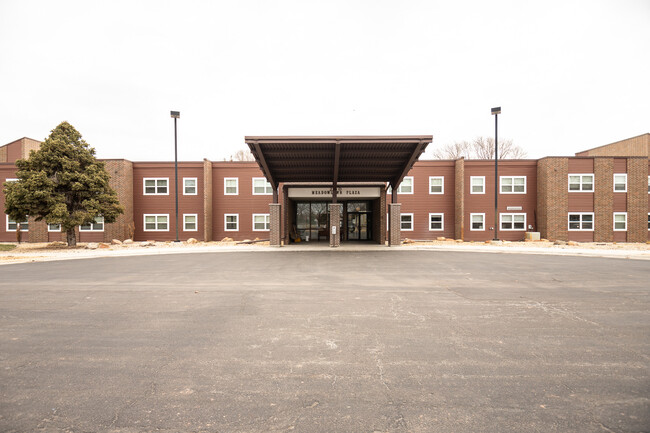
{"x": 479, "y": 148}
{"x": 242, "y": 155}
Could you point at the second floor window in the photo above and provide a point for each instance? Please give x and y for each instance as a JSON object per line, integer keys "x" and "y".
{"x": 156, "y": 186}
{"x": 261, "y": 186}
{"x": 581, "y": 183}
{"x": 231, "y": 186}
{"x": 513, "y": 184}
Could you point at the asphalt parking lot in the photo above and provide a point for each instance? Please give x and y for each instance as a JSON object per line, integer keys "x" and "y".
{"x": 326, "y": 341}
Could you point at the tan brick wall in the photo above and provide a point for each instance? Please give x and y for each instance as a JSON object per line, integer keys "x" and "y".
{"x": 28, "y": 145}
{"x": 394, "y": 210}
{"x": 635, "y": 146}
{"x": 459, "y": 199}
{"x": 37, "y": 231}
{"x": 637, "y": 199}
{"x": 275, "y": 210}
{"x": 207, "y": 200}
{"x": 3, "y": 154}
{"x": 603, "y": 199}
{"x": 335, "y": 217}
{"x": 121, "y": 173}
{"x": 553, "y": 198}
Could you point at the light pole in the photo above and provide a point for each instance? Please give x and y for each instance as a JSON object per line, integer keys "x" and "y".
{"x": 495, "y": 112}
{"x": 175, "y": 115}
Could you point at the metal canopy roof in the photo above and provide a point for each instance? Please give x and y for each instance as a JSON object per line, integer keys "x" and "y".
{"x": 338, "y": 158}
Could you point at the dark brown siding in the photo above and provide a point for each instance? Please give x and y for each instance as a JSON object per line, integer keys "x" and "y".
{"x": 421, "y": 203}
{"x": 165, "y": 204}
{"x": 484, "y": 203}
{"x": 245, "y": 203}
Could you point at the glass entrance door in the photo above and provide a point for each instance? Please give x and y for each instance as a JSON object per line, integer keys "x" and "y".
{"x": 358, "y": 226}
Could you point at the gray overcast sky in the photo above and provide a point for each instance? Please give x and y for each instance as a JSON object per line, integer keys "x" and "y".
{"x": 569, "y": 74}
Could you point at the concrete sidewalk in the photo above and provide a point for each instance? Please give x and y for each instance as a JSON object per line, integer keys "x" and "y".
{"x": 40, "y": 252}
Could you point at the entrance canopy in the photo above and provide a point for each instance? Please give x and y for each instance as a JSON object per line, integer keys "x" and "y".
{"x": 337, "y": 158}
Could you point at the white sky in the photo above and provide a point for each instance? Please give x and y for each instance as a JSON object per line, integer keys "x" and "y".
{"x": 569, "y": 75}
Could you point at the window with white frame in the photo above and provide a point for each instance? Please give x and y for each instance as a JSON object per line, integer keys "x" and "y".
{"x": 95, "y": 226}
{"x": 12, "y": 226}
{"x": 16, "y": 180}
{"x": 649, "y": 221}
{"x": 189, "y": 186}
{"x": 156, "y": 222}
{"x": 436, "y": 185}
{"x": 513, "y": 221}
{"x": 406, "y": 187}
{"x": 54, "y": 227}
{"x": 156, "y": 186}
{"x": 477, "y": 221}
{"x": 261, "y": 186}
{"x": 477, "y": 184}
{"x": 261, "y": 222}
{"x": 513, "y": 184}
{"x": 581, "y": 183}
{"x": 581, "y": 221}
{"x": 620, "y": 182}
{"x": 436, "y": 221}
{"x": 406, "y": 221}
{"x": 231, "y": 222}
{"x": 231, "y": 186}
{"x": 620, "y": 221}
{"x": 190, "y": 222}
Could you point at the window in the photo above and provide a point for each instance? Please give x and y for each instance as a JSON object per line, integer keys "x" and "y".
{"x": 477, "y": 221}
{"x": 156, "y": 186}
{"x": 406, "y": 187}
{"x": 581, "y": 221}
{"x": 54, "y": 227}
{"x": 513, "y": 184}
{"x": 261, "y": 186}
{"x": 231, "y": 186}
{"x": 96, "y": 226}
{"x": 436, "y": 185}
{"x": 648, "y": 184}
{"x": 190, "y": 222}
{"x": 189, "y": 186}
{"x": 12, "y": 226}
{"x": 16, "y": 180}
{"x": 231, "y": 222}
{"x": 156, "y": 222}
{"x": 620, "y": 182}
{"x": 513, "y": 221}
{"x": 406, "y": 221}
{"x": 581, "y": 183}
{"x": 261, "y": 222}
{"x": 620, "y": 221}
{"x": 648, "y": 221}
{"x": 477, "y": 184}
{"x": 436, "y": 221}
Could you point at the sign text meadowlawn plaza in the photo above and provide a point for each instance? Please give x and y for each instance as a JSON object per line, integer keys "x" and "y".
{"x": 342, "y": 192}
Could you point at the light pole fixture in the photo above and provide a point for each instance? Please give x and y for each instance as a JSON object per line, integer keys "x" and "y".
{"x": 175, "y": 115}
{"x": 495, "y": 112}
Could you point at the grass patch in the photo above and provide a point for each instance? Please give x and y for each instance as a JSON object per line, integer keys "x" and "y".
{"x": 6, "y": 247}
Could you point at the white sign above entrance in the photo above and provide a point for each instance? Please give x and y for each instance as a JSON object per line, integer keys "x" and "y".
{"x": 342, "y": 192}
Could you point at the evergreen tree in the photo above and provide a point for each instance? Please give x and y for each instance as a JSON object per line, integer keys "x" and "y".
{"x": 62, "y": 183}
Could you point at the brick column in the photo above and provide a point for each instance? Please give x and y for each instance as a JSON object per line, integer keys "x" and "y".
{"x": 121, "y": 173}
{"x": 37, "y": 231}
{"x": 603, "y": 199}
{"x": 275, "y": 210}
{"x": 394, "y": 210}
{"x": 335, "y": 218}
{"x": 637, "y": 200}
{"x": 207, "y": 200}
{"x": 553, "y": 198}
{"x": 459, "y": 199}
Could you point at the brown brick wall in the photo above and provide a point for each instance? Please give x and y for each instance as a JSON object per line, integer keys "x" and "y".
{"x": 459, "y": 199}
{"x": 635, "y": 146}
{"x": 553, "y": 197}
{"x": 604, "y": 199}
{"x": 335, "y": 217}
{"x": 637, "y": 200}
{"x": 121, "y": 173}
{"x": 207, "y": 200}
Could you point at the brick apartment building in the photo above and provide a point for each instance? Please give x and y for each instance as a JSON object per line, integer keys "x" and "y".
{"x": 599, "y": 195}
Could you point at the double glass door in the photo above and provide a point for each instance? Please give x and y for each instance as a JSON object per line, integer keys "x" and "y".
{"x": 359, "y": 221}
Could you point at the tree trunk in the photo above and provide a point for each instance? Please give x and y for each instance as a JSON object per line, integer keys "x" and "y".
{"x": 71, "y": 237}
{"x": 19, "y": 235}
